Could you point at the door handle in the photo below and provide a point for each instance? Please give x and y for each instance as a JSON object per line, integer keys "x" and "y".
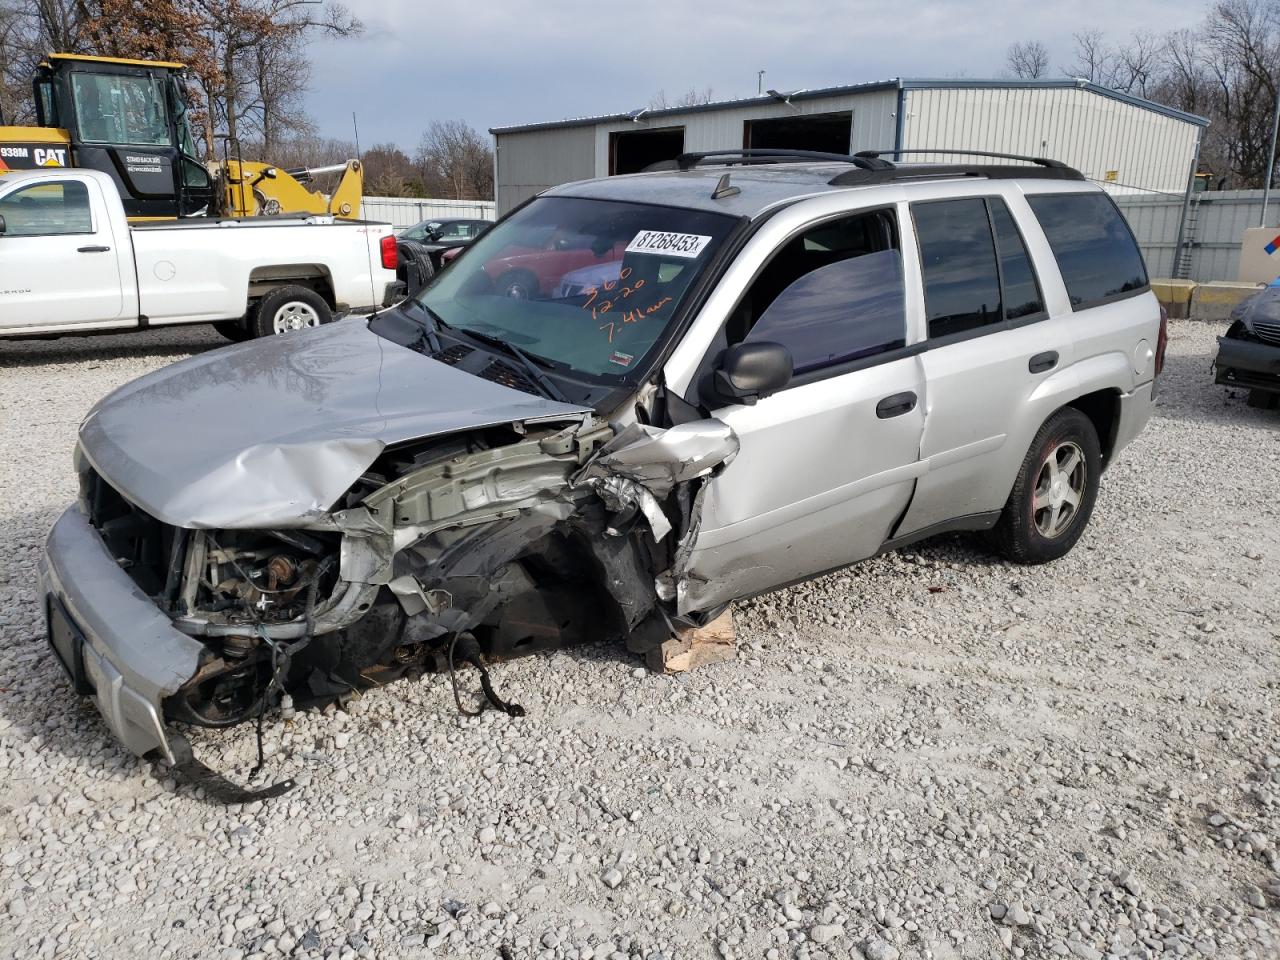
{"x": 896, "y": 405}
{"x": 1043, "y": 361}
{"x": 92, "y": 249}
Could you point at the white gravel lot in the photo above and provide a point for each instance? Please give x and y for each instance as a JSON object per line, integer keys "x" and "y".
{"x": 934, "y": 754}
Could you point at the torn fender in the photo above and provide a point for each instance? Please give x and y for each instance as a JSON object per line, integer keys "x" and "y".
{"x": 643, "y": 464}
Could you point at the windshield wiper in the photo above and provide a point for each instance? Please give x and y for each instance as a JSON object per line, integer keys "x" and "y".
{"x": 530, "y": 366}
{"x": 431, "y": 322}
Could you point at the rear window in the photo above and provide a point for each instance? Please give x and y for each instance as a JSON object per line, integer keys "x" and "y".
{"x": 1093, "y": 245}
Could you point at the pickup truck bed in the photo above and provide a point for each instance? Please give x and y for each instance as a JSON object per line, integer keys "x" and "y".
{"x": 70, "y": 261}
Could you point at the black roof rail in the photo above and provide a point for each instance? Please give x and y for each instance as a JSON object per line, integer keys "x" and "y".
{"x": 1038, "y": 161}
{"x": 687, "y": 161}
{"x": 944, "y": 171}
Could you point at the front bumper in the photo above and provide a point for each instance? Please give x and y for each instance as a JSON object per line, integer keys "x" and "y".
{"x": 121, "y": 649}
{"x": 1248, "y": 364}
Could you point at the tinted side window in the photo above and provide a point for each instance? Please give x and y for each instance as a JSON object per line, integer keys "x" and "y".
{"x": 47, "y": 209}
{"x": 958, "y": 257}
{"x": 1021, "y": 290}
{"x": 1094, "y": 248}
{"x": 841, "y": 295}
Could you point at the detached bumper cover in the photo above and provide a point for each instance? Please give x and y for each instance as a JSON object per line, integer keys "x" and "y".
{"x": 130, "y": 653}
{"x": 1135, "y": 411}
{"x": 1247, "y": 363}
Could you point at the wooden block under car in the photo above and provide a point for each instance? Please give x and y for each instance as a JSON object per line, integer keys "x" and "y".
{"x": 697, "y": 647}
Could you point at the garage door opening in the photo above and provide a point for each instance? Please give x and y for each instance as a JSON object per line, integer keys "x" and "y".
{"x": 632, "y": 150}
{"x": 826, "y": 132}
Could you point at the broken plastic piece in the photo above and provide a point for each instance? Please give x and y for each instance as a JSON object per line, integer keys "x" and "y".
{"x": 217, "y": 787}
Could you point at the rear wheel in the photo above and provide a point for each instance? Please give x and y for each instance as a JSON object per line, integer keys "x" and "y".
{"x": 1054, "y": 494}
{"x": 290, "y": 308}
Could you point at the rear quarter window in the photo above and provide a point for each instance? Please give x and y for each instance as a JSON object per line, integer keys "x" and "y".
{"x": 1094, "y": 248}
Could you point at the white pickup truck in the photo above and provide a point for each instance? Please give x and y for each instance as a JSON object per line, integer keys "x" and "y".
{"x": 71, "y": 263}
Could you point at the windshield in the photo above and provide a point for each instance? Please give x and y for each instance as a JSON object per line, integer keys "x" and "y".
{"x": 115, "y": 108}
{"x": 588, "y": 286}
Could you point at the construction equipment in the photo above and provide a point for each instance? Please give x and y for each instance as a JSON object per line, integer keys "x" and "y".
{"x": 129, "y": 119}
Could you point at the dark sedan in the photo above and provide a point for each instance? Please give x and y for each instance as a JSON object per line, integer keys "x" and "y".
{"x": 438, "y": 235}
{"x": 1249, "y": 354}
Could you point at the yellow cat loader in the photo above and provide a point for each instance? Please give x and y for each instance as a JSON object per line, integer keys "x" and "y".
{"x": 128, "y": 118}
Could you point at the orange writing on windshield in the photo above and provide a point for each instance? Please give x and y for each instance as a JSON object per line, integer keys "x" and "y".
{"x": 597, "y": 306}
{"x": 631, "y": 316}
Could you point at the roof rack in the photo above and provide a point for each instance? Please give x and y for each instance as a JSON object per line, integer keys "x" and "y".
{"x": 1038, "y": 161}
{"x": 870, "y": 167}
{"x": 687, "y": 161}
{"x": 1041, "y": 168}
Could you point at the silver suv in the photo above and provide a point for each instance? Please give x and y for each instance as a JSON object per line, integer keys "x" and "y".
{"x": 629, "y": 403}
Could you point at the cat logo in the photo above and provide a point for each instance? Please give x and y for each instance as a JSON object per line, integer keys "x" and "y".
{"x": 50, "y": 157}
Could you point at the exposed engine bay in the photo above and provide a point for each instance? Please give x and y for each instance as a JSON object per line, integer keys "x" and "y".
{"x": 472, "y": 548}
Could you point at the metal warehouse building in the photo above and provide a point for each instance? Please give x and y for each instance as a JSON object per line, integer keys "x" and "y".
{"x": 1132, "y": 143}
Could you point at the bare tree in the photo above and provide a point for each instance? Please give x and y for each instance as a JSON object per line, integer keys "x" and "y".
{"x": 455, "y": 162}
{"x": 278, "y": 74}
{"x": 1095, "y": 60}
{"x": 1136, "y": 65}
{"x": 690, "y": 98}
{"x": 237, "y": 31}
{"x": 1028, "y": 60}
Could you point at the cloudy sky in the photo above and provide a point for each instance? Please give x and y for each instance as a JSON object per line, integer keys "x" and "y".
{"x": 498, "y": 62}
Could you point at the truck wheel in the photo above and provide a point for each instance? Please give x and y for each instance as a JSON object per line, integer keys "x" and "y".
{"x": 1054, "y": 494}
{"x": 233, "y": 330}
{"x": 290, "y": 308}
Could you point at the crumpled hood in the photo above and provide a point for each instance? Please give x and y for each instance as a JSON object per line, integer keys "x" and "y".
{"x": 270, "y": 433}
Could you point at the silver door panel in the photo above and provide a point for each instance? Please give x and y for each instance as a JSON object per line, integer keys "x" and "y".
{"x": 817, "y": 484}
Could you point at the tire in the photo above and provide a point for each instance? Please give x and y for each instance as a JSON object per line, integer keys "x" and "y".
{"x": 416, "y": 267}
{"x": 289, "y": 308}
{"x": 234, "y": 330}
{"x": 1053, "y": 497}
{"x": 518, "y": 285}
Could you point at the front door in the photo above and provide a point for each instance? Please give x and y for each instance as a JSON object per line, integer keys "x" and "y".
{"x": 827, "y": 465}
{"x": 59, "y": 259}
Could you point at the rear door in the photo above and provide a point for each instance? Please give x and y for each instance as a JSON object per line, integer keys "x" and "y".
{"x": 60, "y": 261}
{"x": 991, "y": 342}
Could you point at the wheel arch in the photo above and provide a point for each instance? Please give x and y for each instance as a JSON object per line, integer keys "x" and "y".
{"x": 1102, "y": 407}
{"x": 314, "y": 276}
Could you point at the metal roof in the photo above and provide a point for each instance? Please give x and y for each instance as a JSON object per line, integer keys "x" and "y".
{"x": 761, "y": 186}
{"x": 896, "y": 84}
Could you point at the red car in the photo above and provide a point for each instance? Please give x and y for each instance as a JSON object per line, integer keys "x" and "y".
{"x": 526, "y": 273}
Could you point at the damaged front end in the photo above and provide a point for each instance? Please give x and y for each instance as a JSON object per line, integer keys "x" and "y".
{"x": 473, "y": 547}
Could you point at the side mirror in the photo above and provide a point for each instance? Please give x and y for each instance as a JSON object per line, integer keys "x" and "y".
{"x": 749, "y": 372}
{"x": 3, "y": 227}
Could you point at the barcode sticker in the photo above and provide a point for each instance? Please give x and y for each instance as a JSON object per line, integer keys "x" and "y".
{"x": 687, "y": 245}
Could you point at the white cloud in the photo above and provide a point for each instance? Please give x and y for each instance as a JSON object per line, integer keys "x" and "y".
{"x": 522, "y": 61}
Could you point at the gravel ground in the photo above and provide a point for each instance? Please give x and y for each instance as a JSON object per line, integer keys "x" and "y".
{"x": 934, "y": 754}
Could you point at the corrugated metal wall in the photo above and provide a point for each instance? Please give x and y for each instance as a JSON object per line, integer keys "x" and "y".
{"x": 406, "y": 211}
{"x": 532, "y": 161}
{"x": 529, "y": 162}
{"x": 874, "y": 123}
{"x": 1216, "y": 227}
{"x": 1093, "y": 133}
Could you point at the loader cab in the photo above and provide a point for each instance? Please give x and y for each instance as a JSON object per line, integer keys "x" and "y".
{"x": 128, "y": 119}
